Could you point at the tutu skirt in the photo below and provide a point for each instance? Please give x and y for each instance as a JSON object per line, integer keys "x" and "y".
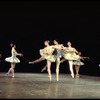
{"x": 70, "y": 55}
{"x": 78, "y": 62}
{"x": 49, "y": 57}
{"x": 12, "y": 59}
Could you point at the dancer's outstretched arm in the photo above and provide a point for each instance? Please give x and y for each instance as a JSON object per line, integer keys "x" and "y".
{"x": 85, "y": 57}
{"x": 19, "y": 54}
{"x": 75, "y": 50}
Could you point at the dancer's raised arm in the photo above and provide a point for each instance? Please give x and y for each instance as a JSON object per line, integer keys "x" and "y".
{"x": 19, "y": 54}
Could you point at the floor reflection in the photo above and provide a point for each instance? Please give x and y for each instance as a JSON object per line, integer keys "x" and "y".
{"x": 30, "y": 86}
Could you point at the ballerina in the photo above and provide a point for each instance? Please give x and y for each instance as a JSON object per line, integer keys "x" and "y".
{"x": 13, "y": 59}
{"x": 78, "y": 63}
{"x": 69, "y": 53}
{"x": 58, "y": 54}
{"x": 46, "y": 54}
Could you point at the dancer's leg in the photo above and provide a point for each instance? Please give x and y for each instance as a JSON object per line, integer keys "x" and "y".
{"x": 44, "y": 68}
{"x": 62, "y": 60}
{"x": 57, "y": 68}
{"x": 8, "y": 71}
{"x": 77, "y": 70}
{"x": 13, "y": 66}
{"x": 38, "y": 60}
{"x": 71, "y": 68}
{"x": 49, "y": 69}
{"x": 11, "y": 69}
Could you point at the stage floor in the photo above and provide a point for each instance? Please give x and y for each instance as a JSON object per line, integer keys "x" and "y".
{"x": 38, "y": 86}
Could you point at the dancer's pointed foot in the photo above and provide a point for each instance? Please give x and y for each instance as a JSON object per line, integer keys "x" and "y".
{"x": 77, "y": 76}
{"x": 57, "y": 79}
{"x": 6, "y": 74}
{"x": 13, "y": 76}
{"x": 72, "y": 75}
{"x": 43, "y": 69}
{"x": 49, "y": 78}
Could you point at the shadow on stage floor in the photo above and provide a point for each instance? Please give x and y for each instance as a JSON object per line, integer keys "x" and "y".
{"x": 38, "y": 86}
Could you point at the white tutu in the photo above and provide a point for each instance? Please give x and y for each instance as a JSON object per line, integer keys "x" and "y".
{"x": 78, "y": 62}
{"x": 69, "y": 55}
{"x": 49, "y": 57}
{"x": 12, "y": 59}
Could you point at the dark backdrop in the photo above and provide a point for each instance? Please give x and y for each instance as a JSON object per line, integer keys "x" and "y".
{"x": 29, "y": 23}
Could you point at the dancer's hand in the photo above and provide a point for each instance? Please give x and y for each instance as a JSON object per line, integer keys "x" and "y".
{"x": 21, "y": 55}
{"x": 30, "y": 62}
{"x": 88, "y": 57}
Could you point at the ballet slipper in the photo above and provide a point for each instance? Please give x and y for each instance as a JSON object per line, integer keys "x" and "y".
{"x": 72, "y": 75}
{"x": 77, "y": 76}
{"x": 49, "y": 78}
{"x": 13, "y": 76}
{"x": 43, "y": 69}
{"x": 57, "y": 79}
{"x": 6, "y": 74}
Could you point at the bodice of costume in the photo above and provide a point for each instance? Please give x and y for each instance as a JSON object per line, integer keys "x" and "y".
{"x": 69, "y": 54}
{"x": 48, "y": 55}
{"x": 13, "y": 55}
{"x": 49, "y": 50}
{"x": 69, "y": 50}
{"x": 59, "y": 51}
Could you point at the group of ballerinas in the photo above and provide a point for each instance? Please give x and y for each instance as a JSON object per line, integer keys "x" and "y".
{"x": 51, "y": 53}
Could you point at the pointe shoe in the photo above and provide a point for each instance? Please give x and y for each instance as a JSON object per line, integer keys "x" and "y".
{"x": 43, "y": 69}
{"x": 57, "y": 78}
{"x": 77, "y": 76}
{"x": 6, "y": 74}
{"x": 49, "y": 78}
{"x": 13, "y": 76}
{"x": 72, "y": 75}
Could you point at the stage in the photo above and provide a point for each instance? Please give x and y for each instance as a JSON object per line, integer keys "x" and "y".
{"x": 38, "y": 86}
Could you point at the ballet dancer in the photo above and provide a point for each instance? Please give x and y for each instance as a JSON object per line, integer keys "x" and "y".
{"x": 58, "y": 54}
{"x": 46, "y": 54}
{"x": 69, "y": 53}
{"x": 13, "y": 59}
{"x": 78, "y": 63}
